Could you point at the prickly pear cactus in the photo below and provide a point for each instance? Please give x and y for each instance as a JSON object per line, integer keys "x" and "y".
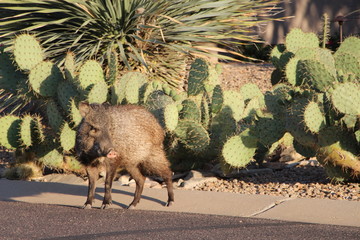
{"x": 90, "y": 73}
{"x": 27, "y": 52}
{"x": 297, "y": 39}
{"x": 44, "y": 79}
{"x": 10, "y": 126}
{"x": 50, "y": 133}
{"x": 320, "y": 103}
{"x": 239, "y": 150}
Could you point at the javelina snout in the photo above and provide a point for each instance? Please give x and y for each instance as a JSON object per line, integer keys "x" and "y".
{"x": 125, "y": 136}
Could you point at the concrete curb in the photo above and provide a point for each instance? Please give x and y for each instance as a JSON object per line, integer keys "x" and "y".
{"x": 335, "y": 212}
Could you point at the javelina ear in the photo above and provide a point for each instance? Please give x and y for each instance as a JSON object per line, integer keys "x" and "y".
{"x": 84, "y": 108}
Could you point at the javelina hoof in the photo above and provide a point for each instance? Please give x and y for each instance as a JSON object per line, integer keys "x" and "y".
{"x": 87, "y": 206}
{"x": 169, "y": 204}
{"x": 105, "y": 206}
{"x": 131, "y": 207}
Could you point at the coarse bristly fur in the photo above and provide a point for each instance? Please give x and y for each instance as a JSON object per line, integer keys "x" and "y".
{"x": 126, "y": 136}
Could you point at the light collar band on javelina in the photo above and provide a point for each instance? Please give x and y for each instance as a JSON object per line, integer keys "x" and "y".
{"x": 126, "y": 136}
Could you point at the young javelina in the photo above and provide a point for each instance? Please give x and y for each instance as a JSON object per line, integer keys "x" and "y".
{"x": 125, "y": 136}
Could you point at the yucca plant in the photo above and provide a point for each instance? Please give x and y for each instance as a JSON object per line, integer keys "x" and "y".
{"x": 140, "y": 31}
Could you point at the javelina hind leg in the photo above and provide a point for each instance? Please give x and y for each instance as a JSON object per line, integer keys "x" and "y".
{"x": 110, "y": 174}
{"x": 161, "y": 169}
{"x": 139, "y": 180}
{"x": 169, "y": 185}
{"x": 93, "y": 176}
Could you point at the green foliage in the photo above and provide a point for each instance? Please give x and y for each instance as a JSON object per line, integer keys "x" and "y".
{"x": 205, "y": 122}
{"x": 320, "y": 103}
{"x": 157, "y": 36}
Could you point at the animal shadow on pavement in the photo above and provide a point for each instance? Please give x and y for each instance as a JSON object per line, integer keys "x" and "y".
{"x": 13, "y": 190}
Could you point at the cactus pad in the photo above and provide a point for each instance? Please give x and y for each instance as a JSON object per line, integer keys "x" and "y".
{"x": 192, "y": 135}
{"x": 74, "y": 113}
{"x": 98, "y": 93}
{"x": 348, "y": 63}
{"x": 190, "y": 111}
{"x": 294, "y": 122}
{"x": 239, "y": 150}
{"x": 249, "y": 91}
{"x": 9, "y": 76}
{"x": 234, "y": 103}
{"x": 297, "y": 39}
{"x": 90, "y": 73}
{"x": 314, "y": 117}
{"x": 253, "y": 107}
{"x": 275, "y": 55}
{"x": 199, "y": 73}
{"x": 269, "y": 130}
{"x": 217, "y": 99}
{"x": 113, "y": 68}
{"x": 38, "y": 134}
{"x": 65, "y": 92}
{"x": 290, "y": 71}
{"x": 304, "y": 150}
{"x": 52, "y": 158}
{"x": 25, "y": 130}
{"x": 9, "y": 135}
{"x": 316, "y": 74}
{"x": 350, "y": 45}
{"x": 135, "y": 86}
{"x": 133, "y": 80}
{"x": 171, "y": 116}
{"x": 346, "y": 98}
{"x": 69, "y": 67}
{"x": 67, "y": 137}
{"x": 54, "y": 116}
{"x": 44, "y": 78}
{"x": 205, "y": 112}
{"x": 27, "y": 52}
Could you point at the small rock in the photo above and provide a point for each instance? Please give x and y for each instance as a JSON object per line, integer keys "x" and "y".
{"x": 190, "y": 184}
{"x": 198, "y": 175}
{"x": 124, "y": 180}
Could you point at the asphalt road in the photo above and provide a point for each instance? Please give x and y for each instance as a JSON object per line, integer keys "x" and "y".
{"x": 40, "y": 221}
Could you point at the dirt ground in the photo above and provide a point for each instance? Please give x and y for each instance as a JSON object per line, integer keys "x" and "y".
{"x": 237, "y": 74}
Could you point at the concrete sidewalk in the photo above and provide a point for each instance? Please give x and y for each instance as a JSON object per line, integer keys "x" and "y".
{"x": 73, "y": 191}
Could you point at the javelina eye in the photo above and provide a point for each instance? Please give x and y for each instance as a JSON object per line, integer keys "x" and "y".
{"x": 93, "y": 131}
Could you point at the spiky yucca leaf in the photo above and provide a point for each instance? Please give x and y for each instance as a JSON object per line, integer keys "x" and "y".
{"x": 133, "y": 28}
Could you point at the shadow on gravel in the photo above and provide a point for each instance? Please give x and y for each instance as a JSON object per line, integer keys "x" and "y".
{"x": 10, "y": 190}
{"x": 302, "y": 175}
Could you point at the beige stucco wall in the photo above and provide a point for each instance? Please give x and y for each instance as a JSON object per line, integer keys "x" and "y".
{"x": 307, "y": 16}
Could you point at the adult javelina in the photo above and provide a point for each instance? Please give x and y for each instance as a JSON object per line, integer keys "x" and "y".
{"x": 126, "y": 136}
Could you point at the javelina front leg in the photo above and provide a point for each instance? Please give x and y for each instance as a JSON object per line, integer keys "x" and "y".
{"x": 110, "y": 174}
{"x": 93, "y": 176}
{"x": 139, "y": 180}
